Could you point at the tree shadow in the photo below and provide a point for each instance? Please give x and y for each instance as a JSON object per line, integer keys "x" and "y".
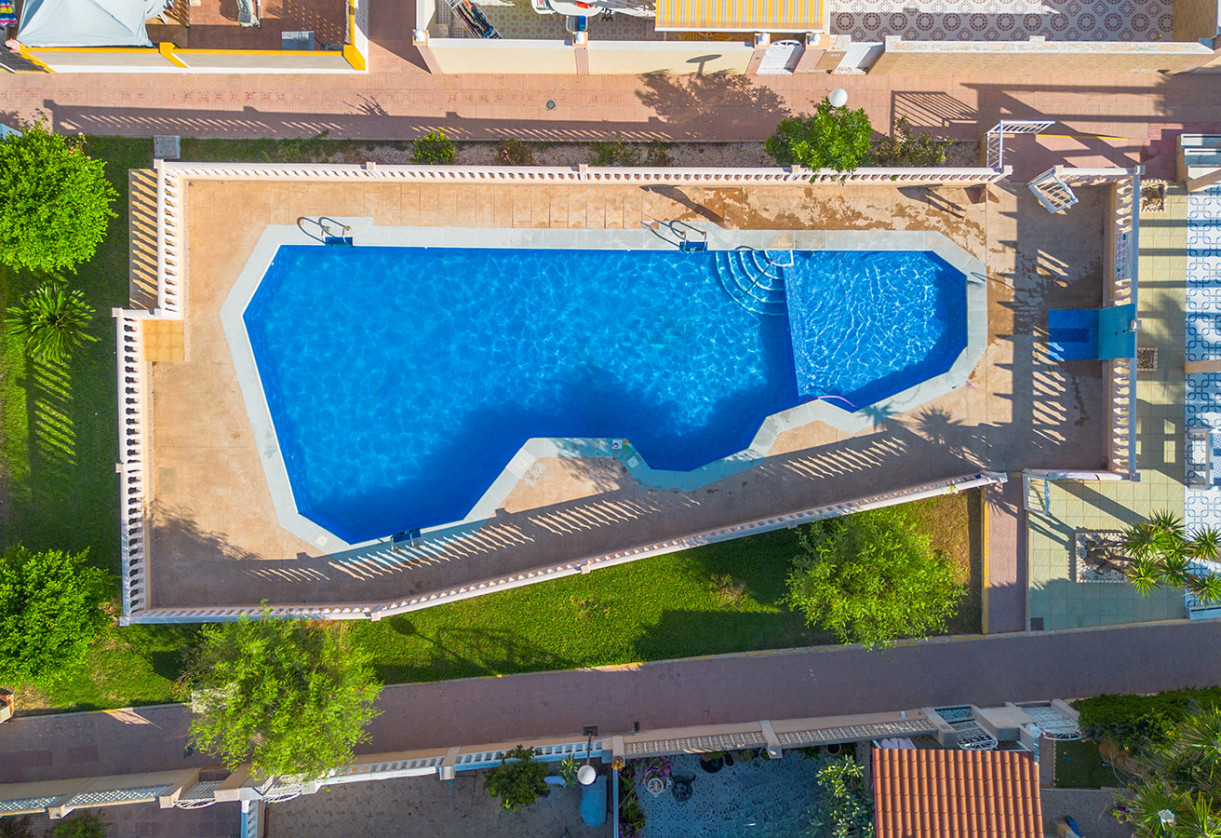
{"x": 682, "y": 633}
{"x": 466, "y": 652}
{"x": 695, "y": 105}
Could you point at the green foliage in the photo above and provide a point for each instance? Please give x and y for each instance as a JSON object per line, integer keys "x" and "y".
{"x": 49, "y": 609}
{"x": 16, "y": 827}
{"x": 658, "y": 154}
{"x": 1161, "y": 552}
{"x": 519, "y": 780}
{"x": 291, "y": 697}
{"x": 830, "y": 138}
{"x": 845, "y": 806}
{"x": 907, "y": 148}
{"x": 433, "y": 148}
{"x": 54, "y": 201}
{"x": 81, "y": 825}
{"x": 568, "y": 771}
{"x": 514, "y": 153}
{"x": 614, "y": 153}
{"x": 1139, "y": 722}
{"x": 1177, "y": 793}
{"x": 872, "y": 577}
{"x": 52, "y": 320}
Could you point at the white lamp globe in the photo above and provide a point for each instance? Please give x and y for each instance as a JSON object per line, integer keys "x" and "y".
{"x": 838, "y": 97}
{"x": 586, "y": 775}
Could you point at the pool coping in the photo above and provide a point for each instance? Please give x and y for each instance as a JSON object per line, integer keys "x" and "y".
{"x": 664, "y": 236}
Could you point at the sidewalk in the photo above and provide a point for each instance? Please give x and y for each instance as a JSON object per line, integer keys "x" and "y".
{"x": 985, "y": 671}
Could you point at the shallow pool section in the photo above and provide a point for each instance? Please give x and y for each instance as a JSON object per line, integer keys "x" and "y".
{"x": 400, "y": 382}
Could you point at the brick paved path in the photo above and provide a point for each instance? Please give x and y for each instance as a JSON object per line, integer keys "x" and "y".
{"x": 1006, "y": 557}
{"x": 807, "y": 682}
{"x": 398, "y": 99}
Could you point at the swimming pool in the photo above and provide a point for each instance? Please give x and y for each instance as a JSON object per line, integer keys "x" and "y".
{"x": 400, "y": 381}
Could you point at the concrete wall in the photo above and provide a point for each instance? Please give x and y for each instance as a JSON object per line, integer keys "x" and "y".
{"x": 318, "y": 61}
{"x": 678, "y": 57}
{"x": 1196, "y": 19}
{"x": 1015, "y": 58}
{"x": 148, "y": 60}
{"x": 477, "y": 55}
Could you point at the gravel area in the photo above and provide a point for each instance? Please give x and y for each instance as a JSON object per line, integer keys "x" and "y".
{"x": 425, "y": 806}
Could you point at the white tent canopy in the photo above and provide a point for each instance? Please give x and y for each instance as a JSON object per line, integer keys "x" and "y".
{"x": 86, "y": 23}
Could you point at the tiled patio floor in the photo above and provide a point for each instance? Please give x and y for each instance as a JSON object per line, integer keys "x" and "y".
{"x": 1054, "y": 596}
{"x": 216, "y": 539}
{"x": 1013, "y": 20}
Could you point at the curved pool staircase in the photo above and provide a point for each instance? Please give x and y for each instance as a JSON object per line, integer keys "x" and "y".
{"x": 755, "y": 278}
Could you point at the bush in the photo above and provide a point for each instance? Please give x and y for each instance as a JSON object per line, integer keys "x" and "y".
{"x": 845, "y": 806}
{"x": 51, "y": 320}
{"x": 520, "y": 782}
{"x": 54, "y": 201}
{"x": 872, "y": 577}
{"x": 830, "y": 138}
{"x": 80, "y": 825}
{"x": 433, "y": 148}
{"x": 614, "y": 153}
{"x": 514, "y": 153}
{"x": 1137, "y": 723}
{"x": 49, "y": 607}
{"x": 906, "y": 148}
{"x": 659, "y": 154}
{"x": 289, "y": 696}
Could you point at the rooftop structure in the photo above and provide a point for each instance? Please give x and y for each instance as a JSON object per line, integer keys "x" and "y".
{"x": 956, "y": 794}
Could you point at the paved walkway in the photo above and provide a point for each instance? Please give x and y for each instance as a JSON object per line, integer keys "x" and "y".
{"x": 794, "y": 684}
{"x": 1005, "y": 558}
{"x": 398, "y": 99}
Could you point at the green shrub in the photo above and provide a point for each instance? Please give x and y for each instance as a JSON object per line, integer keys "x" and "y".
{"x": 659, "y": 154}
{"x": 845, "y": 806}
{"x": 1137, "y": 723}
{"x": 614, "y": 153}
{"x": 514, "y": 153}
{"x": 80, "y": 825}
{"x": 433, "y": 148}
{"x": 907, "y": 148}
{"x": 872, "y": 577}
{"x": 520, "y": 782}
{"x": 54, "y": 201}
{"x": 52, "y": 320}
{"x": 830, "y": 138}
{"x": 49, "y": 607}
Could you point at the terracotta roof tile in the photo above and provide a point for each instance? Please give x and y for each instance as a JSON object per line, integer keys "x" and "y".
{"x": 956, "y": 794}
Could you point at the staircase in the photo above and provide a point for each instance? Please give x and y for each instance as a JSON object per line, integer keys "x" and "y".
{"x": 1199, "y": 162}
{"x": 755, "y": 279}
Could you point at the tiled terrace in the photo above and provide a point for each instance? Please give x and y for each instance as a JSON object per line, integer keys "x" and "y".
{"x": 1054, "y": 596}
{"x": 215, "y": 539}
{"x": 214, "y": 24}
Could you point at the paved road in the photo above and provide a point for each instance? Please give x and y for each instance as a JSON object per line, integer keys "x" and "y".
{"x": 792, "y": 684}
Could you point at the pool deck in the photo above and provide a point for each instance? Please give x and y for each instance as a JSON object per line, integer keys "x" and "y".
{"x": 215, "y": 536}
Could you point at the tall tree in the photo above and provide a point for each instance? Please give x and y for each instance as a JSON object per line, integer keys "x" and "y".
{"x": 872, "y": 577}
{"x": 291, "y": 697}
{"x": 54, "y": 201}
{"x": 49, "y": 608}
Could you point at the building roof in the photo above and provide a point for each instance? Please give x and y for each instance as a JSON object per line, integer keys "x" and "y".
{"x": 956, "y": 794}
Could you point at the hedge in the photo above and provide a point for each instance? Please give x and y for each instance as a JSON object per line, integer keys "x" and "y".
{"x": 1135, "y": 722}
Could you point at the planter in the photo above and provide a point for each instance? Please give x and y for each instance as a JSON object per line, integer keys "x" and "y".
{"x": 712, "y": 766}
{"x": 654, "y": 783}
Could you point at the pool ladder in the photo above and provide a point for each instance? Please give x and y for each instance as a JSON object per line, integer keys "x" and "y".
{"x": 755, "y": 278}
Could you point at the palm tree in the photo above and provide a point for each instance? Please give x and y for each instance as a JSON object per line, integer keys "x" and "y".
{"x": 1154, "y": 811}
{"x": 1145, "y": 575}
{"x": 1140, "y": 540}
{"x": 52, "y": 319}
{"x": 1162, "y": 555}
{"x": 1205, "y": 543}
{"x": 1206, "y": 588}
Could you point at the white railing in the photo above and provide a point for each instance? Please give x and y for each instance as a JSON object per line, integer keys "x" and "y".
{"x": 994, "y": 142}
{"x": 795, "y": 176}
{"x": 378, "y": 611}
{"x": 131, "y": 467}
{"x": 171, "y": 255}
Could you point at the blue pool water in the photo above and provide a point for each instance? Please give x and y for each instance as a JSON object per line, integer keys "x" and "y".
{"x": 401, "y": 381}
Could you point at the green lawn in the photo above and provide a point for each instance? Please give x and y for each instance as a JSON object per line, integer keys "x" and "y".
{"x": 1078, "y": 766}
{"x": 59, "y": 489}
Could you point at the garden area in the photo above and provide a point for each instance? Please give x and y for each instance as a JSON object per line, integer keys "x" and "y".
{"x": 59, "y": 526}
